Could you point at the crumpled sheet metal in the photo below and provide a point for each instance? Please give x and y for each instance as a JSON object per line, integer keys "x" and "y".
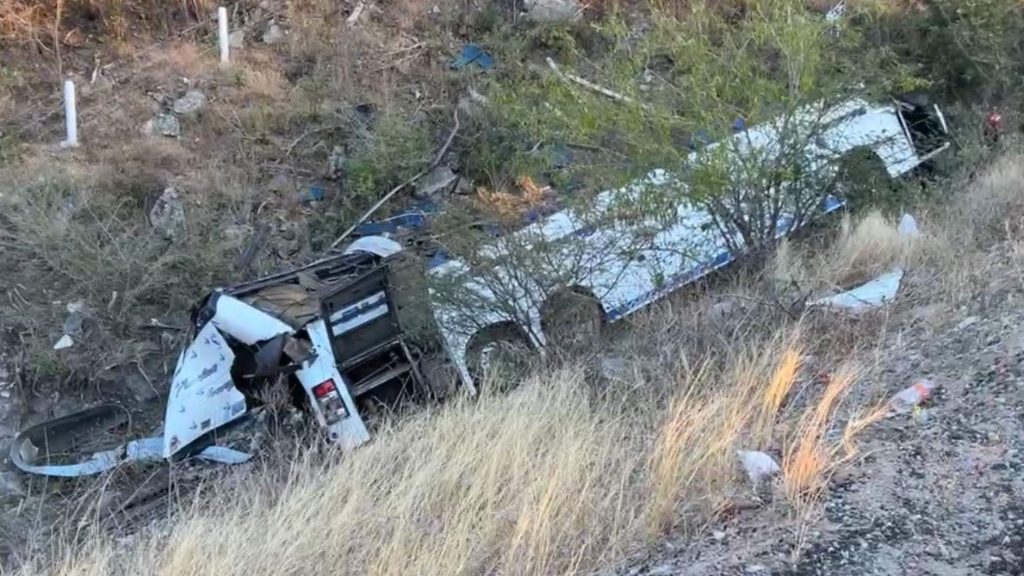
{"x": 877, "y": 292}
{"x": 31, "y": 449}
{"x": 203, "y": 395}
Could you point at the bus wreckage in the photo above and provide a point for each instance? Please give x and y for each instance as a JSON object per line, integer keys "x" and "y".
{"x": 336, "y": 331}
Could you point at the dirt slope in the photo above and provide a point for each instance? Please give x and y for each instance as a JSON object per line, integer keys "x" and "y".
{"x": 938, "y": 492}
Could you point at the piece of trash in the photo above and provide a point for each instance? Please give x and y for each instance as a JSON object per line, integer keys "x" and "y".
{"x": 872, "y": 294}
{"x": 473, "y": 54}
{"x": 967, "y": 322}
{"x": 224, "y": 455}
{"x": 314, "y": 194}
{"x": 718, "y": 535}
{"x": 354, "y": 16}
{"x": 836, "y": 12}
{"x": 76, "y": 307}
{"x": 64, "y": 342}
{"x": 758, "y": 465}
{"x": 73, "y": 324}
{"x": 908, "y": 227}
{"x": 910, "y": 398}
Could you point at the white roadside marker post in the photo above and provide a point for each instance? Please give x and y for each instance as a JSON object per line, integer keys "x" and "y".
{"x": 70, "y": 116}
{"x": 222, "y": 33}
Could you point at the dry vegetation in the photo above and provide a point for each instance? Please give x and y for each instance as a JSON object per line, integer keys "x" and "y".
{"x": 551, "y": 479}
{"x": 573, "y": 472}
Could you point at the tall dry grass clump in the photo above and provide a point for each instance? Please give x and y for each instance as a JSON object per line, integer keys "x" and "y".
{"x": 555, "y": 477}
{"x": 866, "y": 248}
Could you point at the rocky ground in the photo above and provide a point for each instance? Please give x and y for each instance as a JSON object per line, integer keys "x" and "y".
{"x": 939, "y": 491}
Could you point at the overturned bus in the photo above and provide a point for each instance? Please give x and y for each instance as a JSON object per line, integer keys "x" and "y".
{"x": 337, "y": 331}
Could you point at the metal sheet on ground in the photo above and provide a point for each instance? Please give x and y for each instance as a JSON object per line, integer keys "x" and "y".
{"x": 203, "y": 396}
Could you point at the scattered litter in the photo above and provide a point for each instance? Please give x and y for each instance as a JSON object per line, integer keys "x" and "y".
{"x": 313, "y": 194}
{"x": 909, "y": 398}
{"x": 73, "y": 324}
{"x": 437, "y": 182}
{"x": 718, "y": 535}
{"x": 967, "y": 322}
{"x": 836, "y": 12}
{"x": 236, "y": 39}
{"x": 273, "y": 35}
{"x": 872, "y": 294}
{"x": 382, "y": 247}
{"x": 473, "y": 54}
{"x": 191, "y": 102}
{"x": 758, "y": 465}
{"x": 64, "y": 343}
{"x": 908, "y": 227}
{"x": 354, "y": 16}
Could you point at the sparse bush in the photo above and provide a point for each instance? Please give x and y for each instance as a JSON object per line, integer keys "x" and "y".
{"x": 393, "y": 152}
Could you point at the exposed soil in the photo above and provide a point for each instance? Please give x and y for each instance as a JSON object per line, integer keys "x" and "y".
{"x": 938, "y": 491}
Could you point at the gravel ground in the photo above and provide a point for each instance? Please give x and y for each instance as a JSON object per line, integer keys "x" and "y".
{"x": 939, "y": 492}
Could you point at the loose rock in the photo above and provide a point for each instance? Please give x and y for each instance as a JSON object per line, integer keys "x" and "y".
{"x": 336, "y": 163}
{"x": 436, "y": 182}
{"x": 164, "y": 125}
{"x": 11, "y": 484}
{"x": 191, "y": 102}
{"x": 168, "y": 215}
{"x": 273, "y": 35}
{"x": 236, "y": 39}
{"x": 141, "y": 389}
{"x": 551, "y": 11}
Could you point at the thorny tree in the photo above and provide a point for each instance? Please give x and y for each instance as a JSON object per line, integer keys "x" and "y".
{"x": 731, "y": 105}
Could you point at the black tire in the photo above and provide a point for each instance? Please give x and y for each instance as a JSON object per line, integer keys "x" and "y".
{"x": 499, "y": 357}
{"x": 441, "y": 376}
{"x": 572, "y": 320}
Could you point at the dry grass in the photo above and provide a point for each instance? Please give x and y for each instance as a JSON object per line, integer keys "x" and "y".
{"x": 553, "y": 478}
{"x": 864, "y": 248}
